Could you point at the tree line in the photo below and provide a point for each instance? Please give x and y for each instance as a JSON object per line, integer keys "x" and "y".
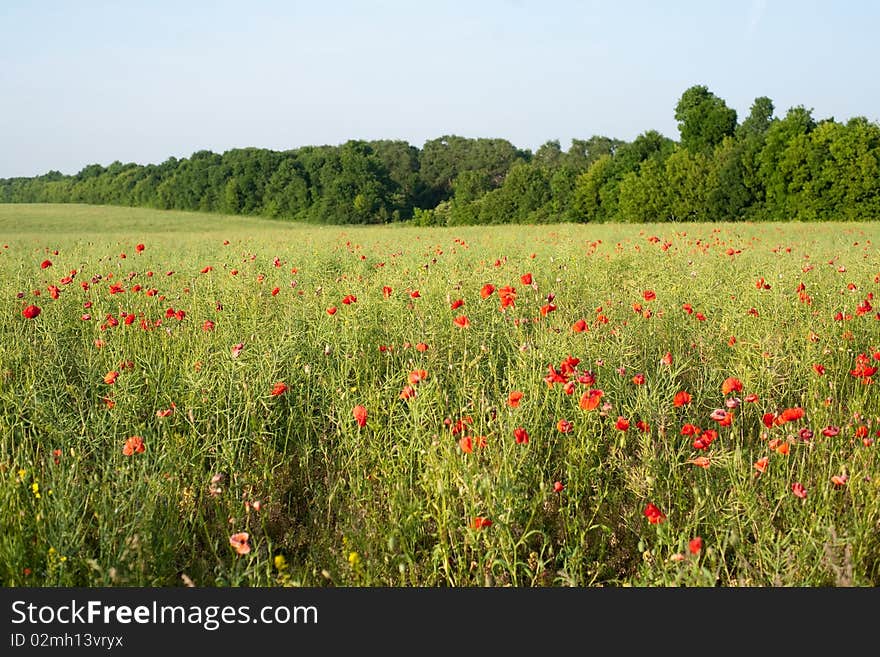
{"x": 765, "y": 167}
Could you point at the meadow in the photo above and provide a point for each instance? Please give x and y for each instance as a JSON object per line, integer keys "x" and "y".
{"x": 192, "y": 399}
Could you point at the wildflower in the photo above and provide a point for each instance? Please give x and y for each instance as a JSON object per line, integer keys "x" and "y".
{"x": 701, "y": 461}
{"x": 521, "y": 435}
{"x": 761, "y": 465}
{"x": 579, "y": 326}
{"x": 526, "y": 279}
{"x": 139, "y": 248}
{"x": 798, "y": 489}
{"x": 731, "y": 384}
{"x": 590, "y": 399}
{"x": 462, "y": 321}
{"x": 408, "y": 392}
{"x": 240, "y": 543}
{"x": 458, "y": 303}
{"x": 417, "y": 376}
{"x": 236, "y": 349}
{"x": 479, "y": 522}
{"x": 622, "y": 423}
{"x": 681, "y": 398}
{"x": 360, "y": 415}
{"x": 30, "y": 312}
{"x": 639, "y": 379}
{"x": 649, "y": 295}
{"x": 45, "y": 264}
{"x": 666, "y": 359}
{"x": 331, "y": 310}
{"x": 514, "y": 398}
{"x": 466, "y": 444}
{"x": 208, "y": 325}
{"x": 839, "y": 480}
{"x": 654, "y": 514}
{"x": 386, "y": 291}
{"x": 487, "y": 290}
{"x": 558, "y": 487}
{"x": 695, "y": 545}
{"x": 279, "y": 388}
{"x": 564, "y": 426}
{"x": 110, "y": 377}
{"x": 133, "y": 445}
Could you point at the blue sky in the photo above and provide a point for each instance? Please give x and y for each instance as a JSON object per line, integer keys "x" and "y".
{"x": 96, "y": 81}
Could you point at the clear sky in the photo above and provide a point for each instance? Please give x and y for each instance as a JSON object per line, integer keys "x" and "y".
{"x": 91, "y": 81}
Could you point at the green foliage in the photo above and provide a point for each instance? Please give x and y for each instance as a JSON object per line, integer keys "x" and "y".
{"x": 766, "y": 168}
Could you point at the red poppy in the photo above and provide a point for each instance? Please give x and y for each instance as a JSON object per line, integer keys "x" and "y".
{"x": 462, "y": 321}
{"x": 654, "y": 514}
{"x": 133, "y": 445}
{"x": 275, "y": 291}
{"x": 31, "y": 311}
{"x": 639, "y": 379}
{"x": 458, "y": 303}
{"x": 790, "y": 415}
{"x": 722, "y": 417}
{"x": 580, "y": 326}
{"x": 415, "y": 294}
{"x": 507, "y": 295}
{"x": 408, "y": 392}
{"x": 839, "y": 480}
{"x": 731, "y": 384}
{"x": 701, "y": 461}
{"x": 386, "y": 291}
{"x": 666, "y": 359}
{"x": 349, "y": 299}
{"x": 649, "y": 295}
{"x": 421, "y": 346}
{"x": 110, "y": 377}
{"x": 830, "y": 431}
{"x": 360, "y": 415}
{"x": 139, "y": 248}
{"x": 681, "y": 398}
{"x": 331, "y": 310}
{"x": 526, "y": 279}
{"x": 622, "y": 423}
{"x": 643, "y": 426}
{"x": 521, "y": 435}
{"x": 547, "y": 308}
{"x": 279, "y": 388}
{"x": 466, "y": 444}
{"x": 45, "y": 264}
{"x": 417, "y": 376}
{"x": 695, "y": 545}
{"x": 798, "y": 489}
{"x": 479, "y": 522}
{"x": 564, "y": 426}
{"x": 207, "y": 326}
{"x": 514, "y": 398}
{"x": 558, "y": 487}
{"x": 761, "y": 465}
{"x": 487, "y": 290}
{"x": 590, "y": 399}
{"x": 240, "y": 543}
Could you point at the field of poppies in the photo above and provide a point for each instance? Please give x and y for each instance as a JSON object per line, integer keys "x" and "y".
{"x": 191, "y": 399}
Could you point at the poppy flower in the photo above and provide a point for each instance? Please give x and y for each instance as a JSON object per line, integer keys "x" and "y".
{"x": 133, "y": 445}
{"x": 360, "y": 415}
{"x": 590, "y": 399}
{"x": 547, "y": 308}
{"x": 654, "y": 514}
{"x": 279, "y": 388}
{"x": 487, "y": 290}
{"x": 458, "y": 303}
{"x": 666, "y": 359}
{"x": 408, "y": 392}
{"x": 839, "y": 480}
{"x": 31, "y": 311}
{"x": 45, "y": 264}
{"x": 722, "y": 417}
{"x": 479, "y": 522}
{"x": 526, "y": 279}
{"x": 415, "y": 294}
{"x": 790, "y": 415}
{"x": 558, "y": 487}
{"x": 830, "y": 431}
{"x": 240, "y": 543}
{"x": 731, "y": 384}
{"x": 701, "y": 461}
{"x": 208, "y": 325}
{"x": 643, "y": 426}
{"x": 139, "y": 248}
{"x": 681, "y": 398}
{"x": 564, "y": 426}
{"x": 236, "y": 349}
{"x": 110, "y": 377}
{"x": 761, "y": 465}
{"x": 622, "y": 423}
{"x": 386, "y": 291}
{"x": 649, "y": 295}
{"x": 798, "y": 489}
{"x": 695, "y": 545}
{"x": 639, "y": 379}
{"x": 507, "y": 295}
{"x": 462, "y": 321}
{"x": 521, "y": 435}
{"x": 417, "y": 376}
{"x": 514, "y": 398}
{"x": 422, "y": 347}
{"x": 466, "y": 444}
{"x": 751, "y": 398}
{"x": 579, "y": 326}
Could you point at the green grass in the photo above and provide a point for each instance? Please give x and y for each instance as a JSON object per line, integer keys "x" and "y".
{"x": 392, "y": 503}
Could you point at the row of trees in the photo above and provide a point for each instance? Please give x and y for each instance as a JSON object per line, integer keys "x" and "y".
{"x": 764, "y": 168}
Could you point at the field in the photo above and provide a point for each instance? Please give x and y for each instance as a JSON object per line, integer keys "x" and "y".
{"x": 239, "y": 402}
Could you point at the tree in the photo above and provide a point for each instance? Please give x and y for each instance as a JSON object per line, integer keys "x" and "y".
{"x": 703, "y": 119}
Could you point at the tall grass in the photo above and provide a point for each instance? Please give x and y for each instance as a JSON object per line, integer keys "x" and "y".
{"x": 393, "y": 503}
